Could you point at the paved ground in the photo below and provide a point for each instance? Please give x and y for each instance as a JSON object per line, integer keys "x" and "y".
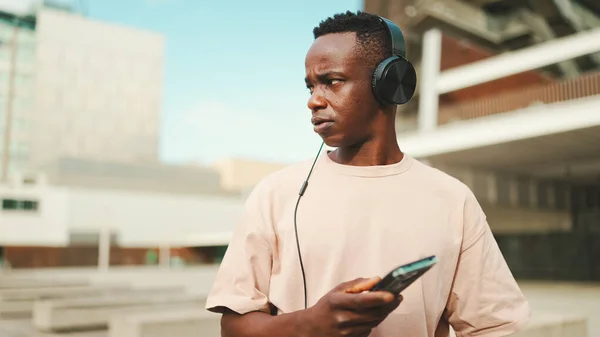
{"x": 568, "y": 298}
{"x": 560, "y": 298}
{"x": 23, "y": 328}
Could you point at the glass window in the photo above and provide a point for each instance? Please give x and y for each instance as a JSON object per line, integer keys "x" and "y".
{"x": 23, "y": 103}
{"x": 25, "y": 54}
{"x": 14, "y": 204}
{"x": 30, "y": 205}
{"x": 19, "y": 149}
{"x": 21, "y": 79}
{"x": 16, "y": 125}
{"x": 2, "y": 108}
{"x": 23, "y": 87}
{"x": 4, "y": 52}
{"x": 23, "y": 148}
{"x": 5, "y": 30}
{"x": 26, "y": 37}
{"x": 220, "y": 253}
{"x": 5, "y": 34}
{"x": 14, "y": 166}
{"x": 10, "y": 204}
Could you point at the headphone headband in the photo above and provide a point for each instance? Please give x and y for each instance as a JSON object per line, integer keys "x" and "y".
{"x": 396, "y": 36}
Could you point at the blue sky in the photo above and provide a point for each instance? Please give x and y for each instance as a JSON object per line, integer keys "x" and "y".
{"x": 234, "y": 74}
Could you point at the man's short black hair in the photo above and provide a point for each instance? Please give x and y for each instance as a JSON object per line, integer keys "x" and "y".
{"x": 372, "y": 37}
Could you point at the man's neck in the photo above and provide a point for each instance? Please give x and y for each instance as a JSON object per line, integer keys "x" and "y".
{"x": 382, "y": 151}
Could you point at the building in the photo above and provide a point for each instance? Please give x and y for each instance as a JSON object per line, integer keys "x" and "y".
{"x": 17, "y": 94}
{"x": 82, "y": 184}
{"x": 521, "y": 128}
{"x": 239, "y": 174}
{"x": 83, "y": 212}
{"x": 77, "y": 88}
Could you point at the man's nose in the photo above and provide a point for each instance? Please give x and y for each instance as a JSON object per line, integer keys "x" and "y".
{"x": 317, "y": 100}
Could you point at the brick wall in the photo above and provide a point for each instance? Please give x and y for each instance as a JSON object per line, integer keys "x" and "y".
{"x": 87, "y": 256}
{"x": 457, "y": 52}
{"x": 74, "y": 256}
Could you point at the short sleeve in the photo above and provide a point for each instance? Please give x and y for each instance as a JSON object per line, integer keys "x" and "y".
{"x": 485, "y": 298}
{"x": 242, "y": 281}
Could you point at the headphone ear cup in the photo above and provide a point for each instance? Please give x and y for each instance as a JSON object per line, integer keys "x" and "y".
{"x": 394, "y": 81}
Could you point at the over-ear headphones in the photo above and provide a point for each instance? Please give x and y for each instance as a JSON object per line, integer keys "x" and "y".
{"x": 395, "y": 79}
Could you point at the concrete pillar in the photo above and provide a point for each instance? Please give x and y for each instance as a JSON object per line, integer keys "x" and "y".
{"x": 430, "y": 70}
{"x": 104, "y": 249}
{"x": 164, "y": 256}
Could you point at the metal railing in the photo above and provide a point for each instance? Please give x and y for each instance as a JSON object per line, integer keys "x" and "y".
{"x": 582, "y": 86}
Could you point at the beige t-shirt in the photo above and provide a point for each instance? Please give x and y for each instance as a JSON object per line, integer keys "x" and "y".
{"x": 362, "y": 222}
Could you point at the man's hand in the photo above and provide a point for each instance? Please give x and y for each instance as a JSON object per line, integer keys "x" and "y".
{"x": 350, "y": 310}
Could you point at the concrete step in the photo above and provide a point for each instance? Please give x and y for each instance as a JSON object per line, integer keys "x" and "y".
{"x": 550, "y": 324}
{"x": 23, "y": 283}
{"x": 180, "y": 323}
{"x": 94, "y": 313}
{"x": 20, "y": 304}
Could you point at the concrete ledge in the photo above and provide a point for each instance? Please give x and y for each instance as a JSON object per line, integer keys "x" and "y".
{"x": 28, "y": 293}
{"x": 555, "y": 325}
{"x": 546, "y": 324}
{"x": 7, "y": 282}
{"x": 95, "y": 312}
{"x": 180, "y": 323}
{"x": 20, "y": 303}
{"x": 198, "y": 279}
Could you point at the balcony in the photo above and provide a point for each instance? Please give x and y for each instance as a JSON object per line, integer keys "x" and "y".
{"x": 501, "y": 113}
{"x": 556, "y": 91}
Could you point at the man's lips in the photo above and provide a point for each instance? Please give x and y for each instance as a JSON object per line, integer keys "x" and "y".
{"x": 320, "y": 120}
{"x": 321, "y": 124}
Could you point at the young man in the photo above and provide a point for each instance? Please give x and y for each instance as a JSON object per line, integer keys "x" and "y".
{"x": 368, "y": 209}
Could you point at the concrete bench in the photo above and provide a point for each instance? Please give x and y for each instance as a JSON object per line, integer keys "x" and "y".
{"x": 22, "y": 283}
{"x": 545, "y": 324}
{"x": 180, "y": 323}
{"x": 25, "y": 293}
{"x": 93, "y": 313}
{"x": 20, "y": 303}
{"x": 555, "y": 325}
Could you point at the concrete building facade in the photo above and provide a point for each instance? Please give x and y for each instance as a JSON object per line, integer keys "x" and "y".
{"x": 84, "y": 213}
{"x": 98, "y": 90}
{"x": 243, "y": 174}
{"x": 78, "y": 88}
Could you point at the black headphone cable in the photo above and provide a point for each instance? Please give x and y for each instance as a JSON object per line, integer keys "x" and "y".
{"x": 300, "y": 194}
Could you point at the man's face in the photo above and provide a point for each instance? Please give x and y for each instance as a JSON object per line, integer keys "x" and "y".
{"x": 341, "y": 101}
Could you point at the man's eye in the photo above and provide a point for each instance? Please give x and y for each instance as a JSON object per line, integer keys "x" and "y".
{"x": 334, "y": 81}
{"x": 310, "y": 89}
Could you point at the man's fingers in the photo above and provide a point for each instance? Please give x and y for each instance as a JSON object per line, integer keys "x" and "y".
{"x": 362, "y": 301}
{"x": 389, "y": 304}
{"x": 387, "y": 308}
{"x": 363, "y": 285}
{"x": 356, "y": 331}
{"x": 349, "y": 284}
{"x": 370, "y": 317}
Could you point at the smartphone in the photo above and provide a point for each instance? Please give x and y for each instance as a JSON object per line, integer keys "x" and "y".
{"x": 400, "y": 278}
